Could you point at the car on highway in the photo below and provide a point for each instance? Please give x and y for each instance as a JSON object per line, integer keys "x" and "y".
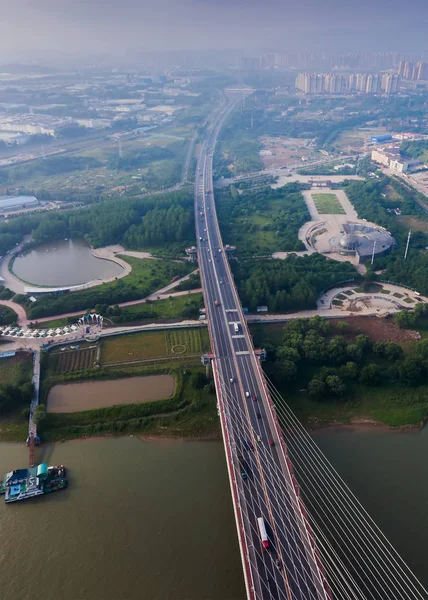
{"x": 271, "y": 443}
{"x": 278, "y": 564}
{"x": 259, "y": 416}
{"x": 254, "y": 398}
{"x": 216, "y": 303}
{"x": 259, "y": 439}
{"x": 231, "y": 380}
{"x": 208, "y": 249}
{"x": 247, "y": 394}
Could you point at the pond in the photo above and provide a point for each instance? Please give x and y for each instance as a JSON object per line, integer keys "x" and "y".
{"x": 63, "y": 263}
{"x": 87, "y": 395}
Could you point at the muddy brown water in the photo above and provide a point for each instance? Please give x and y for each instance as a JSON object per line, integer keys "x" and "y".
{"x": 86, "y": 395}
{"x": 140, "y": 520}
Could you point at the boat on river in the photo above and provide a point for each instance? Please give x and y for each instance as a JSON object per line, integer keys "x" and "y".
{"x": 39, "y": 480}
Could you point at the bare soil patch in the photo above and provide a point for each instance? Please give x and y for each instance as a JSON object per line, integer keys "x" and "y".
{"x": 378, "y": 330}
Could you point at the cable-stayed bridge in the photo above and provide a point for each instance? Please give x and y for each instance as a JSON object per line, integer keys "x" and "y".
{"x": 311, "y": 542}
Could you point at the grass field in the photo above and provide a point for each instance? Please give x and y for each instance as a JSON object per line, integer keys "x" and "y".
{"x": 169, "y": 308}
{"x": 154, "y": 344}
{"x": 16, "y": 369}
{"x": 328, "y": 204}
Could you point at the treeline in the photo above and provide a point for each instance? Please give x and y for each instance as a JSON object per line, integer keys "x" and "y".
{"x": 284, "y": 208}
{"x": 330, "y": 365}
{"x": 291, "y": 284}
{"x": 109, "y": 222}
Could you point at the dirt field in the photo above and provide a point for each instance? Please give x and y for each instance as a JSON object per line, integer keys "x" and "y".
{"x": 284, "y": 151}
{"x": 88, "y": 395}
{"x": 378, "y": 330}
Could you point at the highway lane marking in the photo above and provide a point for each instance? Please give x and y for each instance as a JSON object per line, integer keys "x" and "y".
{"x": 238, "y": 337}
{"x": 241, "y": 352}
{"x": 231, "y": 310}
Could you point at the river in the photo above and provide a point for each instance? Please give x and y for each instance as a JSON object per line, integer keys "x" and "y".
{"x": 152, "y": 520}
{"x": 63, "y": 263}
{"x": 140, "y": 520}
{"x": 386, "y": 471}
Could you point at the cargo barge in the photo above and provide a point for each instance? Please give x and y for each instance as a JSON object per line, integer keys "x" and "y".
{"x": 22, "y": 484}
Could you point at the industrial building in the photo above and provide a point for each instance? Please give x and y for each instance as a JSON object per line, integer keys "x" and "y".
{"x": 380, "y": 139}
{"x": 11, "y": 203}
{"x": 362, "y": 241}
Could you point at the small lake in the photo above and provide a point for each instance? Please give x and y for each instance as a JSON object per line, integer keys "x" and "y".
{"x": 63, "y": 263}
{"x": 73, "y": 397}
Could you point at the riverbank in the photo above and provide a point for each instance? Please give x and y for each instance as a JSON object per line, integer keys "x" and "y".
{"x": 361, "y": 424}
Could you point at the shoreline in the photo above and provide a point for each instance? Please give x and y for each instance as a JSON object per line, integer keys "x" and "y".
{"x": 106, "y": 253}
{"x": 360, "y": 424}
{"x": 357, "y": 424}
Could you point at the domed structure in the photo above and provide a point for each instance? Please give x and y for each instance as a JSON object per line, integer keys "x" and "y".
{"x": 349, "y": 241}
{"x": 362, "y": 240}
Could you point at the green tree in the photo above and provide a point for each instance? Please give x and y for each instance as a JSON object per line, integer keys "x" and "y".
{"x": 287, "y": 370}
{"x": 288, "y": 353}
{"x": 363, "y": 341}
{"x": 198, "y": 379}
{"x": 350, "y": 370}
{"x": 316, "y": 388}
{"x": 405, "y": 319}
{"x": 370, "y": 375}
{"x": 342, "y": 326}
{"x": 410, "y": 371}
{"x": 354, "y": 352}
{"x": 39, "y": 414}
{"x": 335, "y": 385}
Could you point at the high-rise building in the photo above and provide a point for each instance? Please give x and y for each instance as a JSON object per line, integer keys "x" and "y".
{"x": 373, "y": 84}
{"x": 421, "y": 71}
{"x": 361, "y": 82}
{"x": 390, "y": 83}
{"x": 408, "y": 70}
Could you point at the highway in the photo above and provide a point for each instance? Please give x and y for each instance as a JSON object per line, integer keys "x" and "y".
{"x": 289, "y": 569}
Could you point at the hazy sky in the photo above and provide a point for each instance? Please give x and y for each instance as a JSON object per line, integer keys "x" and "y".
{"x": 80, "y": 26}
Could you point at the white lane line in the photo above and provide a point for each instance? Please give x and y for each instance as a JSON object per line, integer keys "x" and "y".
{"x": 240, "y": 352}
{"x": 238, "y": 337}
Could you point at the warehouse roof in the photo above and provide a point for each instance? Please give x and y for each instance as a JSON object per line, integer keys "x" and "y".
{"x": 16, "y": 201}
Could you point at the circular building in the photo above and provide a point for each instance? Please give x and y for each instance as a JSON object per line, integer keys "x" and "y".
{"x": 362, "y": 241}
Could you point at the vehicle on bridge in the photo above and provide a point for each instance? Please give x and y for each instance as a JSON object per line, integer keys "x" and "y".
{"x": 263, "y": 533}
{"x": 243, "y": 467}
{"x": 216, "y": 303}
